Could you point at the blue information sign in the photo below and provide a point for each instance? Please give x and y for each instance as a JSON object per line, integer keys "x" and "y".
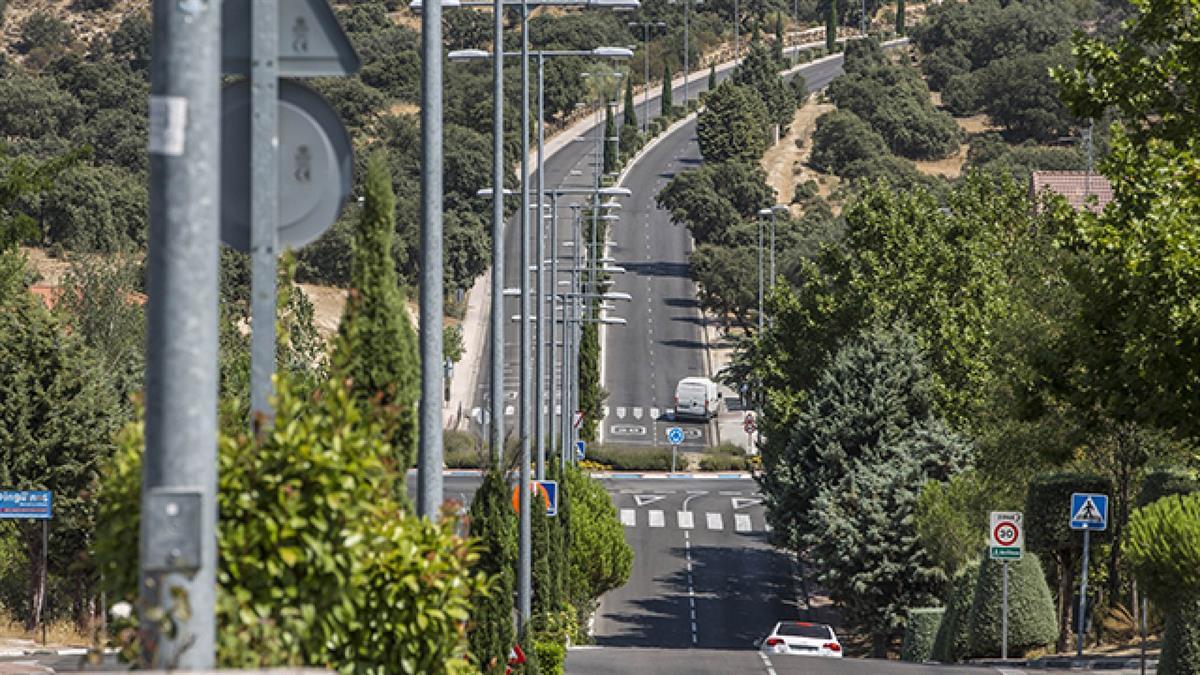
{"x": 26, "y": 504}
{"x": 674, "y": 435}
{"x": 1089, "y": 511}
{"x": 551, "y": 489}
{"x": 580, "y": 450}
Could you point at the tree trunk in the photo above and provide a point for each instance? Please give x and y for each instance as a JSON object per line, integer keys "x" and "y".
{"x": 1065, "y": 578}
{"x": 37, "y": 577}
{"x": 879, "y": 645}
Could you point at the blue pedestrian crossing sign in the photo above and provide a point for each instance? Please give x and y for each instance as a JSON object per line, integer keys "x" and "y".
{"x": 580, "y": 450}
{"x": 674, "y": 435}
{"x": 1089, "y": 511}
{"x": 549, "y": 490}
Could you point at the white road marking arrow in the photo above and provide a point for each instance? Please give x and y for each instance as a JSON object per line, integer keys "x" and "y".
{"x": 620, "y": 413}
{"x": 743, "y": 502}
{"x": 643, "y": 500}
{"x": 637, "y": 413}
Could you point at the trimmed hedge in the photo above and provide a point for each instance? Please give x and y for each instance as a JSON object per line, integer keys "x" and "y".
{"x": 723, "y": 463}
{"x": 1032, "y": 621}
{"x": 919, "y": 632}
{"x": 632, "y": 459}
{"x": 1046, "y": 505}
{"x": 1167, "y": 481}
{"x": 950, "y": 643}
{"x": 1181, "y": 645}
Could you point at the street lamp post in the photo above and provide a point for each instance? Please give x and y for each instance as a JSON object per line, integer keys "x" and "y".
{"x": 646, "y": 26}
{"x": 769, "y": 211}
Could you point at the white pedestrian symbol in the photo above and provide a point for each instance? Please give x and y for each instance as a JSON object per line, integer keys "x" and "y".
{"x": 1088, "y": 513}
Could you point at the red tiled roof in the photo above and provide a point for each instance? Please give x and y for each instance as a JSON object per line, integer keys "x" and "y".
{"x": 1080, "y": 188}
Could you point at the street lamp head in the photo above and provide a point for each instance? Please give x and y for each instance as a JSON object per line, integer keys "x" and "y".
{"x": 611, "y": 204}
{"x": 615, "y": 192}
{"x": 612, "y": 53}
{"x": 487, "y": 192}
{"x": 615, "y": 4}
{"x": 468, "y": 55}
{"x": 417, "y": 5}
{"x": 765, "y": 212}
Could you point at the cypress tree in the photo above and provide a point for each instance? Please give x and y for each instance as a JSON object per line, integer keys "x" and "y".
{"x": 668, "y": 101}
{"x": 777, "y": 49}
{"x": 491, "y": 633}
{"x": 900, "y": 17}
{"x": 630, "y": 110}
{"x": 831, "y": 24}
{"x": 376, "y": 346}
{"x": 712, "y": 77}
{"x": 610, "y": 148}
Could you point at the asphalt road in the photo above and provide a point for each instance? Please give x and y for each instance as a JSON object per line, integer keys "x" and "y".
{"x": 663, "y": 341}
{"x": 610, "y": 661}
{"x": 642, "y": 373}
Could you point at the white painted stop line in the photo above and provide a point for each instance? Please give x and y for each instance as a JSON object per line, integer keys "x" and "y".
{"x": 656, "y": 519}
{"x": 628, "y": 517}
{"x": 741, "y": 522}
{"x": 714, "y": 521}
{"x": 685, "y": 520}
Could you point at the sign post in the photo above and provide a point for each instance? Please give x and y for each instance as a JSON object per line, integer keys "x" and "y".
{"x": 1088, "y": 512}
{"x": 674, "y": 437}
{"x": 1006, "y": 542}
{"x": 32, "y": 505}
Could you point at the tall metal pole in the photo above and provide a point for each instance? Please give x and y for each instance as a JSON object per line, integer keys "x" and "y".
{"x": 264, "y": 206}
{"x": 1082, "y": 594}
{"x": 772, "y": 248}
{"x": 737, "y": 30}
{"x": 181, "y": 335}
{"x": 429, "y": 454}
{"x": 1004, "y": 615}
{"x": 497, "y": 329}
{"x": 646, "y": 94}
{"x": 687, "y": 49}
{"x": 577, "y": 323}
{"x": 548, "y": 305}
{"x": 524, "y": 581}
{"x": 540, "y": 312}
{"x": 760, "y": 275}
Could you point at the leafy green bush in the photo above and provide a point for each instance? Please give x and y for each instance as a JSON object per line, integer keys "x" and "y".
{"x": 1162, "y": 547}
{"x": 842, "y": 138}
{"x": 950, "y": 643}
{"x": 734, "y": 125}
{"x": 632, "y": 459}
{"x": 599, "y": 558}
{"x": 1160, "y": 483}
{"x": 919, "y": 632}
{"x": 722, "y": 463}
{"x": 1031, "y": 617}
{"x": 42, "y": 30}
{"x": 314, "y": 568}
{"x": 963, "y": 94}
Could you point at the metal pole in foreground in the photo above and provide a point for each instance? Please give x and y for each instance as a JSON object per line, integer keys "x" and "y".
{"x": 760, "y": 275}
{"x": 547, "y": 305}
{"x": 772, "y": 248}
{"x": 525, "y": 542}
{"x": 181, "y": 330}
{"x": 1082, "y": 593}
{"x": 1004, "y": 615}
{"x": 540, "y": 251}
{"x": 496, "y": 429}
{"x": 646, "y": 95}
{"x": 264, "y": 207}
{"x": 429, "y": 454}
{"x": 687, "y": 48}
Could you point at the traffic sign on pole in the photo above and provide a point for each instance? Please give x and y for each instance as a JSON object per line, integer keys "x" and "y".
{"x": 311, "y": 42}
{"x": 674, "y": 435}
{"x": 580, "y": 450}
{"x": 546, "y": 490}
{"x": 26, "y": 504}
{"x": 1089, "y": 511}
{"x": 1006, "y": 539}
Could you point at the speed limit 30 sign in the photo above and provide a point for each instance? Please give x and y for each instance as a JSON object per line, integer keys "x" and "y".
{"x": 1006, "y": 538}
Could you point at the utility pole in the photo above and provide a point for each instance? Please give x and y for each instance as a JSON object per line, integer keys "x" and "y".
{"x": 264, "y": 207}
{"x": 525, "y": 545}
{"x": 497, "y": 329}
{"x": 179, "y": 476}
{"x": 540, "y": 251}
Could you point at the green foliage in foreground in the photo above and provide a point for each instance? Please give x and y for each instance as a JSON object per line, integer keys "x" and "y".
{"x": 599, "y": 558}
{"x": 950, "y": 643}
{"x": 1031, "y": 616}
{"x": 734, "y": 125}
{"x": 919, "y": 630}
{"x": 314, "y": 569}
{"x": 491, "y": 632}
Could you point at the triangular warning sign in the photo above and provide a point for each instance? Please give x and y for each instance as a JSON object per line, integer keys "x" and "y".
{"x": 311, "y": 41}
{"x": 1088, "y": 513}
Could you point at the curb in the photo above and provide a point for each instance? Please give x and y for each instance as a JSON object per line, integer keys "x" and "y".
{"x": 1071, "y": 663}
{"x": 619, "y": 475}
{"x": 66, "y": 651}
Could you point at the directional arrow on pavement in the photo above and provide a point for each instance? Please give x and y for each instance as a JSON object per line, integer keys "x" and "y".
{"x": 643, "y": 500}
{"x": 743, "y": 502}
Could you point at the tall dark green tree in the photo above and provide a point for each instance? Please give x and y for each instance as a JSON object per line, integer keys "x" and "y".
{"x": 712, "y": 77}
{"x": 845, "y": 487}
{"x": 630, "y": 119}
{"x": 831, "y": 26}
{"x": 759, "y": 71}
{"x": 492, "y": 522}
{"x": 900, "y": 17}
{"x": 377, "y": 347}
{"x": 668, "y": 98}
{"x": 734, "y": 125}
{"x": 777, "y": 46}
{"x": 610, "y": 147}
{"x": 58, "y": 416}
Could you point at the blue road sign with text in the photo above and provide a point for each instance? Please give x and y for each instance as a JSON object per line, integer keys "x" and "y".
{"x": 1089, "y": 511}
{"x": 675, "y": 435}
{"x": 26, "y": 504}
{"x": 580, "y": 450}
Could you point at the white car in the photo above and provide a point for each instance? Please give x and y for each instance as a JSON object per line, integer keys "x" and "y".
{"x": 804, "y": 638}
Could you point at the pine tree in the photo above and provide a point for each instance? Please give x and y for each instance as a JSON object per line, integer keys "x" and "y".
{"x": 668, "y": 101}
{"x": 376, "y": 346}
{"x": 630, "y": 110}
{"x": 846, "y": 486}
{"x": 712, "y": 77}
{"x": 610, "y": 148}
{"x": 491, "y": 633}
{"x": 831, "y": 26}
{"x": 777, "y": 48}
{"x": 900, "y": 17}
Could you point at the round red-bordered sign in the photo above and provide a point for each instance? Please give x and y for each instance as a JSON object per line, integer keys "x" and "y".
{"x": 1008, "y": 527}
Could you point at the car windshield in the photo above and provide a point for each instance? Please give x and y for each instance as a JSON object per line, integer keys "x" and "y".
{"x": 806, "y": 630}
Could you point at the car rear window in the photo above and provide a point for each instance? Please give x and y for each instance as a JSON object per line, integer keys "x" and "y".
{"x": 816, "y": 631}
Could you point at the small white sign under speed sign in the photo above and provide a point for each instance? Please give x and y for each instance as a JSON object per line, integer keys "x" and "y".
{"x": 1006, "y": 535}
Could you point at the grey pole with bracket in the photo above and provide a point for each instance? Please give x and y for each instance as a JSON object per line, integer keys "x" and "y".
{"x": 524, "y": 533}
{"x": 539, "y": 376}
{"x": 1083, "y": 575}
{"x": 1004, "y": 615}
{"x": 429, "y": 453}
{"x": 179, "y": 476}
{"x": 497, "y": 328}
{"x": 264, "y": 206}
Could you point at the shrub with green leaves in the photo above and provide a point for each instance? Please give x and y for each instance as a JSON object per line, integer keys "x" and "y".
{"x": 313, "y": 568}
{"x": 631, "y": 459}
{"x": 600, "y": 559}
{"x": 919, "y": 631}
{"x": 950, "y": 642}
{"x": 1031, "y": 618}
{"x": 1160, "y": 483}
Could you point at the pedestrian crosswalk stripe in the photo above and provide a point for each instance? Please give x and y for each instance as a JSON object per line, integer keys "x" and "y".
{"x": 637, "y": 413}
{"x": 741, "y": 522}
{"x": 628, "y": 517}
{"x": 714, "y": 521}
{"x": 685, "y": 520}
{"x": 656, "y": 519}
{"x": 620, "y": 413}
{"x": 654, "y": 413}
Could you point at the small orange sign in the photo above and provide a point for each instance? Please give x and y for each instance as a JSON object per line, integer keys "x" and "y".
{"x": 533, "y": 485}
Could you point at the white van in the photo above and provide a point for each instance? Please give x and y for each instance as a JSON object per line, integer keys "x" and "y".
{"x": 696, "y": 397}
